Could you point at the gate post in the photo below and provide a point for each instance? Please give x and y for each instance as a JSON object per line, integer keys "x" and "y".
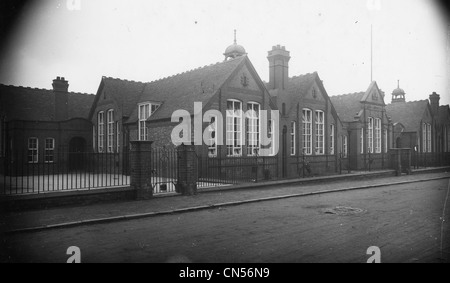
{"x": 140, "y": 163}
{"x": 187, "y": 170}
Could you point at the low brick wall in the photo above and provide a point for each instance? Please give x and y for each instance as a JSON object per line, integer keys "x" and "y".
{"x": 67, "y": 198}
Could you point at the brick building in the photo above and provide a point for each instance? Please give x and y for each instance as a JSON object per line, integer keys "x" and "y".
{"x": 40, "y": 126}
{"x": 310, "y": 129}
{"x": 426, "y": 125}
{"x": 368, "y": 127}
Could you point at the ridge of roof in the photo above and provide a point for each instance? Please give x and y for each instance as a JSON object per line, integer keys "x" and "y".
{"x": 43, "y": 89}
{"x": 196, "y": 69}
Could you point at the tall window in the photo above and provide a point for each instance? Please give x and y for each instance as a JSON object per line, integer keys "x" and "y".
{"x": 361, "y": 141}
{"x": 101, "y": 130}
{"x": 319, "y": 132}
{"x": 424, "y": 137}
{"x": 144, "y": 113}
{"x": 212, "y": 143}
{"x": 234, "y": 128}
{"x": 386, "y": 146}
{"x": 33, "y": 149}
{"x": 332, "y": 129}
{"x": 344, "y": 146}
{"x": 370, "y": 134}
{"x": 49, "y": 150}
{"x": 110, "y": 129}
{"x": 307, "y": 131}
{"x": 293, "y": 133}
{"x": 378, "y": 135}
{"x": 252, "y": 129}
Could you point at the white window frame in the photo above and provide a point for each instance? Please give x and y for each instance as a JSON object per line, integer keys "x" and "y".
{"x": 344, "y": 146}
{"x": 332, "y": 141}
{"x": 293, "y": 138}
{"x": 143, "y": 114}
{"x": 145, "y": 110}
{"x": 370, "y": 134}
{"x": 377, "y": 135}
{"x": 212, "y": 143}
{"x": 424, "y": 138}
{"x": 101, "y": 131}
{"x": 33, "y": 152}
{"x": 253, "y": 128}
{"x": 386, "y": 141}
{"x": 307, "y": 131}
{"x": 49, "y": 151}
{"x": 110, "y": 131}
{"x": 429, "y": 145}
{"x": 234, "y": 126}
{"x": 320, "y": 130}
{"x": 361, "y": 140}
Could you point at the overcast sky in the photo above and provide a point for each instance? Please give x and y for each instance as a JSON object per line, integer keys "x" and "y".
{"x": 147, "y": 40}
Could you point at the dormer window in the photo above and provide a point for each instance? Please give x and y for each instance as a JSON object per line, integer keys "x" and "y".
{"x": 145, "y": 111}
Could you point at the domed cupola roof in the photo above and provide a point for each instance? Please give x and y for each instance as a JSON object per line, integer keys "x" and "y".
{"x": 398, "y": 94}
{"x": 234, "y": 50}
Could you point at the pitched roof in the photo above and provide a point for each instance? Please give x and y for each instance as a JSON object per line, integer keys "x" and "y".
{"x": 409, "y": 114}
{"x": 299, "y": 86}
{"x": 182, "y": 90}
{"x": 348, "y": 105}
{"x": 33, "y": 104}
{"x": 126, "y": 93}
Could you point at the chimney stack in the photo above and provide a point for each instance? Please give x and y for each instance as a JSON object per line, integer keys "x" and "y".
{"x": 60, "y": 89}
{"x": 434, "y": 101}
{"x": 278, "y": 67}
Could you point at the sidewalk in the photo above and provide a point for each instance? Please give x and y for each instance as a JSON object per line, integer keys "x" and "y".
{"x": 107, "y": 212}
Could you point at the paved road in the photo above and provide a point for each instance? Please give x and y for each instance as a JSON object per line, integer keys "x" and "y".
{"x": 403, "y": 220}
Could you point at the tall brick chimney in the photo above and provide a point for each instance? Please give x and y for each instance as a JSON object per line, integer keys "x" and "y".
{"x": 278, "y": 67}
{"x": 434, "y": 101}
{"x": 60, "y": 88}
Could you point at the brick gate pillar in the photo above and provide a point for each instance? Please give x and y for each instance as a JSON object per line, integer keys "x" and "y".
{"x": 187, "y": 170}
{"x": 140, "y": 163}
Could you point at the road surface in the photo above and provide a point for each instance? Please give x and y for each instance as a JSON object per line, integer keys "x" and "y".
{"x": 404, "y": 221}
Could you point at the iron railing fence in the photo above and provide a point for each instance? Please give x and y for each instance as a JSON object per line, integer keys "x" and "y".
{"x": 42, "y": 171}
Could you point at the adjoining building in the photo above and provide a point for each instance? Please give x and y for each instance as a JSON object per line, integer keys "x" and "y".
{"x": 425, "y": 127}
{"x": 310, "y": 130}
{"x": 368, "y": 127}
{"x": 40, "y": 126}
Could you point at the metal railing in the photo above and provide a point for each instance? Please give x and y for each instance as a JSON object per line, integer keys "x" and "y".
{"x": 223, "y": 171}
{"x": 43, "y": 171}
